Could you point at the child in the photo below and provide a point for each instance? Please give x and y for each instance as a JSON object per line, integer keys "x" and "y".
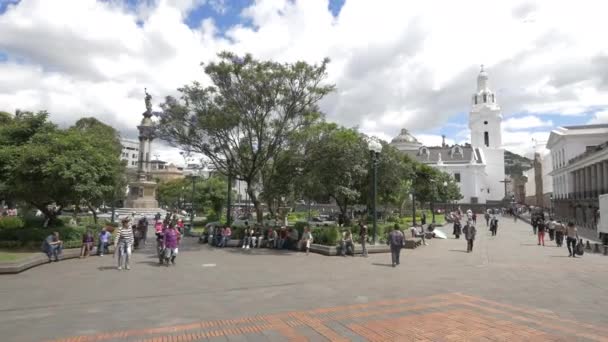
{"x": 104, "y": 240}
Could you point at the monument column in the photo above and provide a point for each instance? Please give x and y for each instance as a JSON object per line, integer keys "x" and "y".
{"x": 142, "y": 192}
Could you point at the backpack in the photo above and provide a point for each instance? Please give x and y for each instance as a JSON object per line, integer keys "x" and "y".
{"x": 580, "y": 248}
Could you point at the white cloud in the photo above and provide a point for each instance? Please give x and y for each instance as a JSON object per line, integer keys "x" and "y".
{"x": 600, "y": 117}
{"x": 526, "y": 122}
{"x": 400, "y": 64}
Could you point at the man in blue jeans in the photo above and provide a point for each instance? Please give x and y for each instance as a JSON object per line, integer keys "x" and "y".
{"x": 104, "y": 239}
{"x": 396, "y": 241}
{"x": 52, "y": 246}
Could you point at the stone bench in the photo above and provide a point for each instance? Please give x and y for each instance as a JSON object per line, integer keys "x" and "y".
{"x": 37, "y": 260}
{"x": 335, "y": 250}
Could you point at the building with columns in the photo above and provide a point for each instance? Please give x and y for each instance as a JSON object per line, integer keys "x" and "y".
{"x": 580, "y": 171}
{"x": 478, "y": 168}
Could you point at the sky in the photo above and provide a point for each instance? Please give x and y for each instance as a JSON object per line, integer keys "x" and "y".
{"x": 396, "y": 64}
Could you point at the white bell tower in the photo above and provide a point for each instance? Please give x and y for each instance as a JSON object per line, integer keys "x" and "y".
{"x": 485, "y": 122}
{"x": 485, "y": 118}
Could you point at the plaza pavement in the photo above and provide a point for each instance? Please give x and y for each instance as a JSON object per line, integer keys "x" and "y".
{"x": 508, "y": 289}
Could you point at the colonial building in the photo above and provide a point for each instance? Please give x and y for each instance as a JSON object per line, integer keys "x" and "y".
{"x": 130, "y": 152}
{"x": 580, "y": 171}
{"x": 479, "y": 167}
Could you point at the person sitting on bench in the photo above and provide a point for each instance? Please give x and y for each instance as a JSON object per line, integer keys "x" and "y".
{"x": 418, "y": 234}
{"x": 346, "y": 244}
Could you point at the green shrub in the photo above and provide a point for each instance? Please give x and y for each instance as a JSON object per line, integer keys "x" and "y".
{"x": 11, "y": 222}
{"x": 10, "y": 244}
{"x": 327, "y": 236}
{"x": 299, "y": 226}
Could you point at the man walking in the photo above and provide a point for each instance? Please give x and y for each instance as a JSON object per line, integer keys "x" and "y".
{"x": 494, "y": 225}
{"x": 469, "y": 233}
{"x": 396, "y": 241}
{"x": 572, "y": 237}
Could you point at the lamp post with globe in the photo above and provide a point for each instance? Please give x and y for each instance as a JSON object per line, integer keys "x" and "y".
{"x": 375, "y": 148}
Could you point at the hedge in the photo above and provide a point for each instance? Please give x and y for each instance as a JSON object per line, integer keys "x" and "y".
{"x": 11, "y": 222}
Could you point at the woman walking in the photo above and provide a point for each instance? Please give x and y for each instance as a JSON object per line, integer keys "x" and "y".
{"x": 559, "y": 233}
{"x": 123, "y": 243}
{"x": 306, "y": 239}
{"x": 542, "y": 227}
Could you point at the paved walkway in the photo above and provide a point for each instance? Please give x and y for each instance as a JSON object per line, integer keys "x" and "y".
{"x": 507, "y": 289}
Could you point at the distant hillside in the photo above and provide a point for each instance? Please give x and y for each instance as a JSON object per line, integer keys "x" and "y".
{"x": 515, "y": 164}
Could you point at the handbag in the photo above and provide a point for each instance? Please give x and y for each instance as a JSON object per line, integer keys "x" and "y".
{"x": 580, "y": 248}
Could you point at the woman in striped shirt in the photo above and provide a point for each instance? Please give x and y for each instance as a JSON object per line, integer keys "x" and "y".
{"x": 122, "y": 244}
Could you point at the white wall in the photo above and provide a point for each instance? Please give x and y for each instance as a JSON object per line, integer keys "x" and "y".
{"x": 495, "y": 173}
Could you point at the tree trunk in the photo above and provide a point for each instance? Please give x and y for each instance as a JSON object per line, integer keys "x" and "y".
{"x": 256, "y": 204}
{"x": 94, "y": 213}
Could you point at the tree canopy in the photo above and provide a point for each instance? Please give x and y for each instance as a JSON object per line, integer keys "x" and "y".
{"x": 244, "y": 119}
{"x": 43, "y": 164}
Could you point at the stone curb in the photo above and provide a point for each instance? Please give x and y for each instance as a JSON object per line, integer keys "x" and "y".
{"x": 333, "y": 250}
{"x": 37, "y": 260}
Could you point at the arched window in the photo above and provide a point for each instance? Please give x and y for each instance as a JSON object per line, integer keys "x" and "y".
{"x": 423, "y": 151}
{"x": 486, "y": 139}
{"x": 475, "y": 99}
{"x": 485, "y": 98}
{"x": 493, "y": 99}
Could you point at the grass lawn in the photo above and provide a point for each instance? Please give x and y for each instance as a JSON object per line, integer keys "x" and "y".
{"x": 12, "y": 256}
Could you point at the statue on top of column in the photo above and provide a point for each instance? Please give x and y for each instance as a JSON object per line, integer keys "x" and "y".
{"x": 148, "y": 101}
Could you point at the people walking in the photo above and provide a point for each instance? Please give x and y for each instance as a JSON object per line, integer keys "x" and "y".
{"x": 551, "y": 227}
{"x": 171, "y": 240}
{"x": 534, "y": 223}
{"x": 559, "y": 233}
{"x": 487, "y": 217}
{"x": 572, "y": 238}
{"x": 469, "y": 233}
{"x": 396, "y": 241}
{"x": 541, "y": 228}
{"x": 363, "y": 238}
{"x": 494, "y": 225}
{"x": 457, "y": 230}
{"x": 123, "y": 244}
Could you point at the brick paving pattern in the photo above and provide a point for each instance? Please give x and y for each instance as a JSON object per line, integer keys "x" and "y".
{"x": 447, "y": 317}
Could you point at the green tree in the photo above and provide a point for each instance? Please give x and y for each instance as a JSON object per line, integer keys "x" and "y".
{"x": 208, "y": 193}
{"x": 337, "y": 162}
{"x": 49, "y": 166}
{"x": 243, "y": 120}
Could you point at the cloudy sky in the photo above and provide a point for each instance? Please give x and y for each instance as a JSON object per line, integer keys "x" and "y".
{"x": 395, "y": 63}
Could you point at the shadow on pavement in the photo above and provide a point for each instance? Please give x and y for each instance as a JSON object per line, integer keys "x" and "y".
{"x": 457, "y": 250}
{"x": 529, "y": 244}
{"x": 259, "y": 251}
{"x": 150, "y": 263}
{"x": 385, "y": 265}
{"x": 106, "y": 268}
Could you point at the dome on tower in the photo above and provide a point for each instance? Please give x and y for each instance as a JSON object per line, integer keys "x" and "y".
{"x": 405, "y": 141}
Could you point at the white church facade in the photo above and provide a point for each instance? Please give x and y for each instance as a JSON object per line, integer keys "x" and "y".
{"x": 478, "y": 167}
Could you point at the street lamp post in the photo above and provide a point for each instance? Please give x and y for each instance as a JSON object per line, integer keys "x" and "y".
{"x": 551, "y": 204}
{"x": 433, "y": 200}
{"x": 375, "y": 148}
{"x": 445, "y": 203}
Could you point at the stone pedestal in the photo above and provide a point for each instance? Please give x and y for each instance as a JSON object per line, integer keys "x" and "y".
{"x": 142, "y": 194}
